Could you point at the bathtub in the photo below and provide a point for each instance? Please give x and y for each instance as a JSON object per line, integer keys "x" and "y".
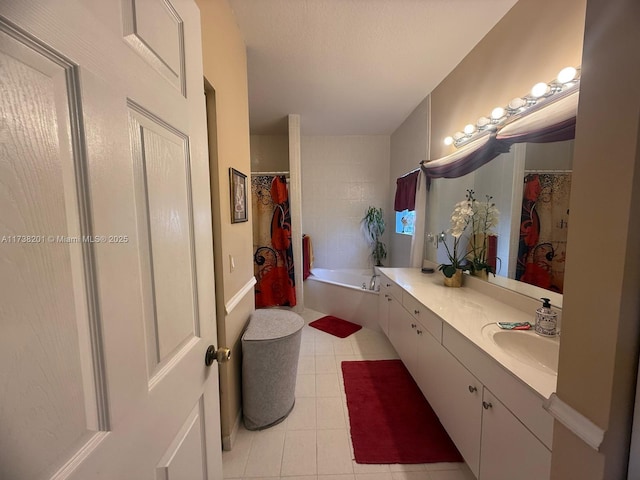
{"x": 340, "y": 293}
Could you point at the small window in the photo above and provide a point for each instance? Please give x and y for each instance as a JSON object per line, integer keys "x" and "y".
{"x": 405, "y": 222}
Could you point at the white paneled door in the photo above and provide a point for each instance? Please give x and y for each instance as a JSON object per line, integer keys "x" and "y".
{"x": 106, "y": 257}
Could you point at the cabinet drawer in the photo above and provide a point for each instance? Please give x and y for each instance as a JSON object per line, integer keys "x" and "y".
{"x": 426, "y": 317}
{"x": 391, "y": 287}
{"x": 518, "y": 397}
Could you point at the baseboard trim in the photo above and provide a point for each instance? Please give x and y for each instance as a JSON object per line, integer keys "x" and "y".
{"x": 229, "y": 440}
{"x": 581, "y": 426}
{"x": 235, "y": 300}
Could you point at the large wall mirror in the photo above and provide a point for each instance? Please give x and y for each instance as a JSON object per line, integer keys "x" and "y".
{"x": 530, "y": 186}
{"x": 530, "y": 183}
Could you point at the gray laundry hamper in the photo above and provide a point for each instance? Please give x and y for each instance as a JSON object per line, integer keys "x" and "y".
{"x": 270, "y": 350}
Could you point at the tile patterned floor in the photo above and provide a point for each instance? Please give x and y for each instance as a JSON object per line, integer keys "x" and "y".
{"x": 313, "y": 443}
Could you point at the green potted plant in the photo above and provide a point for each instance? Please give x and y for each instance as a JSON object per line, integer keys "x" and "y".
{"x": 373, "y": 228}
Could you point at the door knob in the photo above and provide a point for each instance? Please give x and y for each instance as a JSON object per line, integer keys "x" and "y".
{"x": 221, "y": 355}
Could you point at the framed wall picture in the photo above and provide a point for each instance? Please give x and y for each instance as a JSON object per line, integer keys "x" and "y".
{"x": 238, "y": 186}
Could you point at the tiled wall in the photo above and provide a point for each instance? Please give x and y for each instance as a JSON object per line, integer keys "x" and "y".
{"x": 341, "y": 177}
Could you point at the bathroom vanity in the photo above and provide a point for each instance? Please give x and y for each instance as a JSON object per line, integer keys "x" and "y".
{"x": 486, "y": 385}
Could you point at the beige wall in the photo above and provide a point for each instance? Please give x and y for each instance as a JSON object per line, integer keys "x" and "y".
{"x": 599, "y": 347}
{"x": 409, "y": 146}
{"x": 269, "y": 153}
{"x": 601, "y": 314}
{"x": 532, "y": 43}
{"x": 225, "y": 68}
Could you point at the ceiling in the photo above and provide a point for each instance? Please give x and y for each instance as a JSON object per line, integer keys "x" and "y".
{"x": 353, "y": 67}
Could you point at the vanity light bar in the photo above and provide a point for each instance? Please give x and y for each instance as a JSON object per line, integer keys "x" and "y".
{"x": 567, "y": 78}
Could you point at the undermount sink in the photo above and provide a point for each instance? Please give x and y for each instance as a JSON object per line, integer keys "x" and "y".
{"x": 527, "y": 346}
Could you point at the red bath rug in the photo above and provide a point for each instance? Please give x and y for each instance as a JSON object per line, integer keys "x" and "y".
{"x": 391, "y": 421}
{"x": 335, "y": 326}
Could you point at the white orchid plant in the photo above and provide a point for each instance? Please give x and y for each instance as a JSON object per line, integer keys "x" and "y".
{"x": 460, "y": 219}
{"x": 481, "y": 218}
{"x": 483, "y": 222}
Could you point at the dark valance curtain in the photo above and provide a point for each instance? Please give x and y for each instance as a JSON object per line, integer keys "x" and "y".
{"x": 565, "y": 130}
{"x": 465, "y": 164}
{"x": 494, "y": 146}
{"x": 553, "y": 123}
{"x": 406, "y": 192}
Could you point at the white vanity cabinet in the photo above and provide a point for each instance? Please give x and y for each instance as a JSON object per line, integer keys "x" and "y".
{"x": 493, "y": 442}
{"x": 430, "y": 321}
{"x": 457, "y": 401}
{"x": 496, "y": 421}
{"x": 403, "y": 334}
{"x": 389, "y": 292}
{"x": 510, "y": 446}
{"x": 509, "y": 450}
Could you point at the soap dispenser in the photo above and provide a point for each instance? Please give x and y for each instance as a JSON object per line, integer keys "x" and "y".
{"x": 546, "y": 319}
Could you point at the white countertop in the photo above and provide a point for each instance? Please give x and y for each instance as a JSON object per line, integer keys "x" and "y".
{"x": 467, "y": 311}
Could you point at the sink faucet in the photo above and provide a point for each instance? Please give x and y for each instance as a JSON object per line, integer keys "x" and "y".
{"x": 372, "y": 283}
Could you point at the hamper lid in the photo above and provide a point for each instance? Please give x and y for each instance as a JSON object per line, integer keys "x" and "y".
{"x": 267, "y": 324}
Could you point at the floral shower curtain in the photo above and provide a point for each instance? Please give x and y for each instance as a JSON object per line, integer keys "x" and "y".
{"x": 273, "y": 255}
{"x": 543, "y": 230}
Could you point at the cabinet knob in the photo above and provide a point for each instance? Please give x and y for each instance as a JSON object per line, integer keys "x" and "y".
{"x": 472, "y": 389}
{"x": 419, "y": 332}
{"x": 416, "y": 312}
{"x": 388, "y": 284}
{"x": 486, "y": 405}
{"x": 413, "y": 325}
{"x": 388, "y": 299}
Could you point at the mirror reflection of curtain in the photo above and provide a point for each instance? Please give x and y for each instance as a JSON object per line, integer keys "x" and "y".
{"x": 273, "y": 253}
{"x": 543, "y": 230}
{"x": 417, "y": 241}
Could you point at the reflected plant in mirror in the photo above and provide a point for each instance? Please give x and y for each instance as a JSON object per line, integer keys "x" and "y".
{"x": 526, "y": 221}
{"x": 460, "y": 220}
{"x": 482, "y": 240}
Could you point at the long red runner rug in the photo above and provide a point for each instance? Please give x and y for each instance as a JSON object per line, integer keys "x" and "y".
{"x": 391, "y": 421}
{"x": 335, "y": 326}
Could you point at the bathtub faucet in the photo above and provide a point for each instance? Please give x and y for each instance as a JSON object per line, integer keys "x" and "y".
{"x": 372, "y": 283}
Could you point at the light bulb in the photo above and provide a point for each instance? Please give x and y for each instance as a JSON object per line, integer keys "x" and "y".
{"x": 497, "y": 113}
{"x": 566, "y": 75}
{"x": 517, "y": 103}
{"x": 469, "y": 129}
{"x": 448, "y": 141}
{"x": 483, "y": 122}
{"x": 539, "y": 89}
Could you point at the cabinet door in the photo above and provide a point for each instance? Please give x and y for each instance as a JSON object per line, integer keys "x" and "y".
{"x": 430, "y": 377}
{"x": 402, "y": 334}
{"x": 384, "y": 299}
{"x": 509, "y": 450}
{"x": 459, "y": 406}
